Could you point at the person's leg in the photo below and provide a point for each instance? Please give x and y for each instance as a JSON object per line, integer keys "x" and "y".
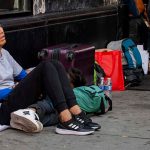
{"x": 71, "y": 99}
{"x": 68, "y": 92}
{"x": 46, "y": 112}
{"x": 65, "y": 83}
{"x": 43, "y": 78}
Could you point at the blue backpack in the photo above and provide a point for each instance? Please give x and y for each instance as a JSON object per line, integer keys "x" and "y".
{"x": 131, "y": 53}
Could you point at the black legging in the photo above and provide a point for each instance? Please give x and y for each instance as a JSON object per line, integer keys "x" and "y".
{"x": 48, "y": 77}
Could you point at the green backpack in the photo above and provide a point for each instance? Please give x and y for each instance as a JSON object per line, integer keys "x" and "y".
{"x": 92, "y": 99}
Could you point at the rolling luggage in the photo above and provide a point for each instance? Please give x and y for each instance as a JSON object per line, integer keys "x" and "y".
{"x": 80, "y": 56}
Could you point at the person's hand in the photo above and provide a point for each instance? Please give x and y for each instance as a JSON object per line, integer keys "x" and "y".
{"x": 29, "y": 70}
{"x": 2, "y": 37}
{"x": 15, "y": 85}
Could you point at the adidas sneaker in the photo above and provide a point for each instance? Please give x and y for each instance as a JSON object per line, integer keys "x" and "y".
{"x": 73, "y": 127}
{"x": 84, "y": 119}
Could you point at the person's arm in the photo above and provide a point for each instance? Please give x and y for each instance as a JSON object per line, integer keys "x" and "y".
{"x": 21, "y": 75}
{"x": 18, "y": 72}
{"x": 4, "y": 93}
{"x": 29, "y": 70}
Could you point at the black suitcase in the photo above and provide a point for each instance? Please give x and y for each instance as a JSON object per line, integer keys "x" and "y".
{"x": 80, "y": 56}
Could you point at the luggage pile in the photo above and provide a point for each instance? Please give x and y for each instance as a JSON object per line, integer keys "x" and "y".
{"x": 124, "y": 73}
{"x": 90, "y": 98}
{"x": 131, "y": 61}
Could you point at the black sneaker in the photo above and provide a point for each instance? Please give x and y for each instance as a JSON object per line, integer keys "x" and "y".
{"x": 84, "y": 119}
{"x": 72, "y": 127}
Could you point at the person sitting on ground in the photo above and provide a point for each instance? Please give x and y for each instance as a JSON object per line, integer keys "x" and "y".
{"x": 48, "y": 77}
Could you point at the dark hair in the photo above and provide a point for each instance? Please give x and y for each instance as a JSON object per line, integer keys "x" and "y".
{"x": 76, "y": 77}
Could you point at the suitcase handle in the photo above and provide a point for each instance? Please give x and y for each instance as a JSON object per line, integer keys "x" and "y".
{"x": 42, "y": 54}
{"x": 74, "y": 46}
{"x": 70, "y": 55}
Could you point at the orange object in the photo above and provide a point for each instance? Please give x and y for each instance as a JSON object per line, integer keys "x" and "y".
{"x": 142, "y": 9}
{"x": 140, "y": 6}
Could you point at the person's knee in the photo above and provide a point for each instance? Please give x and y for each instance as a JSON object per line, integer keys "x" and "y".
{"x": 56, "y": 63}
{"x": 51, "y": 61}
{"x": 46, "y": 64}
{"x": 52, "y": 65}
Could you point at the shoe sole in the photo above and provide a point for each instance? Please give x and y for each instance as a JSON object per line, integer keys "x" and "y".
{"x": 70, "y": 132}
{"x": 24, "y": 124}
{"x": 22, "y": 127}
{"x": 96, "y": 128}
{"x": 19, "y": 126}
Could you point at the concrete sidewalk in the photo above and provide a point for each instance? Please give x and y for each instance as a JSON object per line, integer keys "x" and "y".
{"x": 127, "y": 127}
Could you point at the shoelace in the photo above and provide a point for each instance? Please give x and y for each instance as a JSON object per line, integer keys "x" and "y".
{"x": 82, "y": 118}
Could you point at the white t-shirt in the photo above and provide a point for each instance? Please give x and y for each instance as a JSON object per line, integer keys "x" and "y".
{"x": 9, "y": 69}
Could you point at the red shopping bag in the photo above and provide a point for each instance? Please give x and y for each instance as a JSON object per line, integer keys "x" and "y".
{"x": 111, "y": 63}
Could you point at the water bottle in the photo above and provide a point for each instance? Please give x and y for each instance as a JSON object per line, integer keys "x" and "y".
{"x": 108, "y": 88}
{"x": 101, "y": 84}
